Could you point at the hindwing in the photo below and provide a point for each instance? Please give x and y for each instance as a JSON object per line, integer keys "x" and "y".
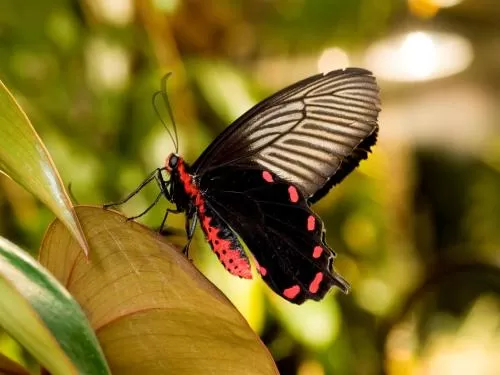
{"x": 279, "y": 228}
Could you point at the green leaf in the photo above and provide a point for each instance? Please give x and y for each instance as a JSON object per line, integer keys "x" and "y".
{"x": 153, "y": 312}
{"x": 24, "y": 158}
{"x": 39, "y": 313}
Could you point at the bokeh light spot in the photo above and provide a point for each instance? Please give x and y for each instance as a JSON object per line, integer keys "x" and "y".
{"x": 419, "y": 56}
{"x": 108, "y": 65}
{"x": 332, "y": 58}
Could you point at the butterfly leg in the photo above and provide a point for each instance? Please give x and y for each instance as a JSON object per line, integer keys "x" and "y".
{"x": 190, "y": 227}
{"x": 147, "y": 209}
{"x": 162, "y": 184}
{"x": 169, "y": 211}
{"x": 156, "y": 174}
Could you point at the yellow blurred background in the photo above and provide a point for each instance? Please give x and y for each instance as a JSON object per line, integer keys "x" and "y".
{"x": 416, "y": 227}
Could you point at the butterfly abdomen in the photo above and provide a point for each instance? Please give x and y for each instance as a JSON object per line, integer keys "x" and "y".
{"x": 225, "y": 244}
{"x": 220, "y": 237}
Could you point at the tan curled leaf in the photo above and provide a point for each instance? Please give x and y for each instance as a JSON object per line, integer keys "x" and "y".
{"x": 153, "y": 312}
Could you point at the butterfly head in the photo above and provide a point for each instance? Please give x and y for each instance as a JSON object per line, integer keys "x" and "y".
{"x": 172, "y": 162}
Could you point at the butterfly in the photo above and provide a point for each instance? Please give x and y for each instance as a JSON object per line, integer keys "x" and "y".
{"x": 257, "y": 180}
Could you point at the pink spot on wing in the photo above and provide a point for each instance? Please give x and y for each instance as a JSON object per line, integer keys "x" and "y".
{"x": 294, "y": 195}
{"x": 268, "y": 177}
{"x": 318, "y": 250}
{"x": 311, "y": 222}
{"x": 262, "y": 271}
{"x": 291, "y": 292}
{"x": 313, "y": 288}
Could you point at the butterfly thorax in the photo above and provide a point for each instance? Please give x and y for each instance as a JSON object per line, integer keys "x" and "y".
{"x": 187, "y": 196}
{"x": 183, "y": 189}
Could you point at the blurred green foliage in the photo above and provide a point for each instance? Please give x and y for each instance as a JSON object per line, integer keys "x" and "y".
{"x": 415, "y": 227}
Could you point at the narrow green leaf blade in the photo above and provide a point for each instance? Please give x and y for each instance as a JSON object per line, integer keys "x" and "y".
{"x": 39, "y": 313}
{"x": 24, "y": 158}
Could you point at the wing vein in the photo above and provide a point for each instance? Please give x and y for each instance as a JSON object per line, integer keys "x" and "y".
{"x": 304, "y": 132}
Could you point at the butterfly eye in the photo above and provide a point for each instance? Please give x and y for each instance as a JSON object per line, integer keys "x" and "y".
{"x": 172, "y": 161}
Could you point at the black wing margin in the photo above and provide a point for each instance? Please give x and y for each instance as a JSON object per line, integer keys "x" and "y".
{"x": 348, "y": 164}
{"x": 311, "y": 134}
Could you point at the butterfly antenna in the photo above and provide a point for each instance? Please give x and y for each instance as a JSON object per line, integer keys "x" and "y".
{"x": 156, "y": 95}
{"x": 164, "y": 95}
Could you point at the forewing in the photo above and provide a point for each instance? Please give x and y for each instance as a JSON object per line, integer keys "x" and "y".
{"x": 311, "y": 134}
{"x": 274, "y": 220}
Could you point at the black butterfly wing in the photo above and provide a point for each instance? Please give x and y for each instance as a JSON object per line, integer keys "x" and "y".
{"x": 311, "y": 134}
{"x": 275, "y": 221}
